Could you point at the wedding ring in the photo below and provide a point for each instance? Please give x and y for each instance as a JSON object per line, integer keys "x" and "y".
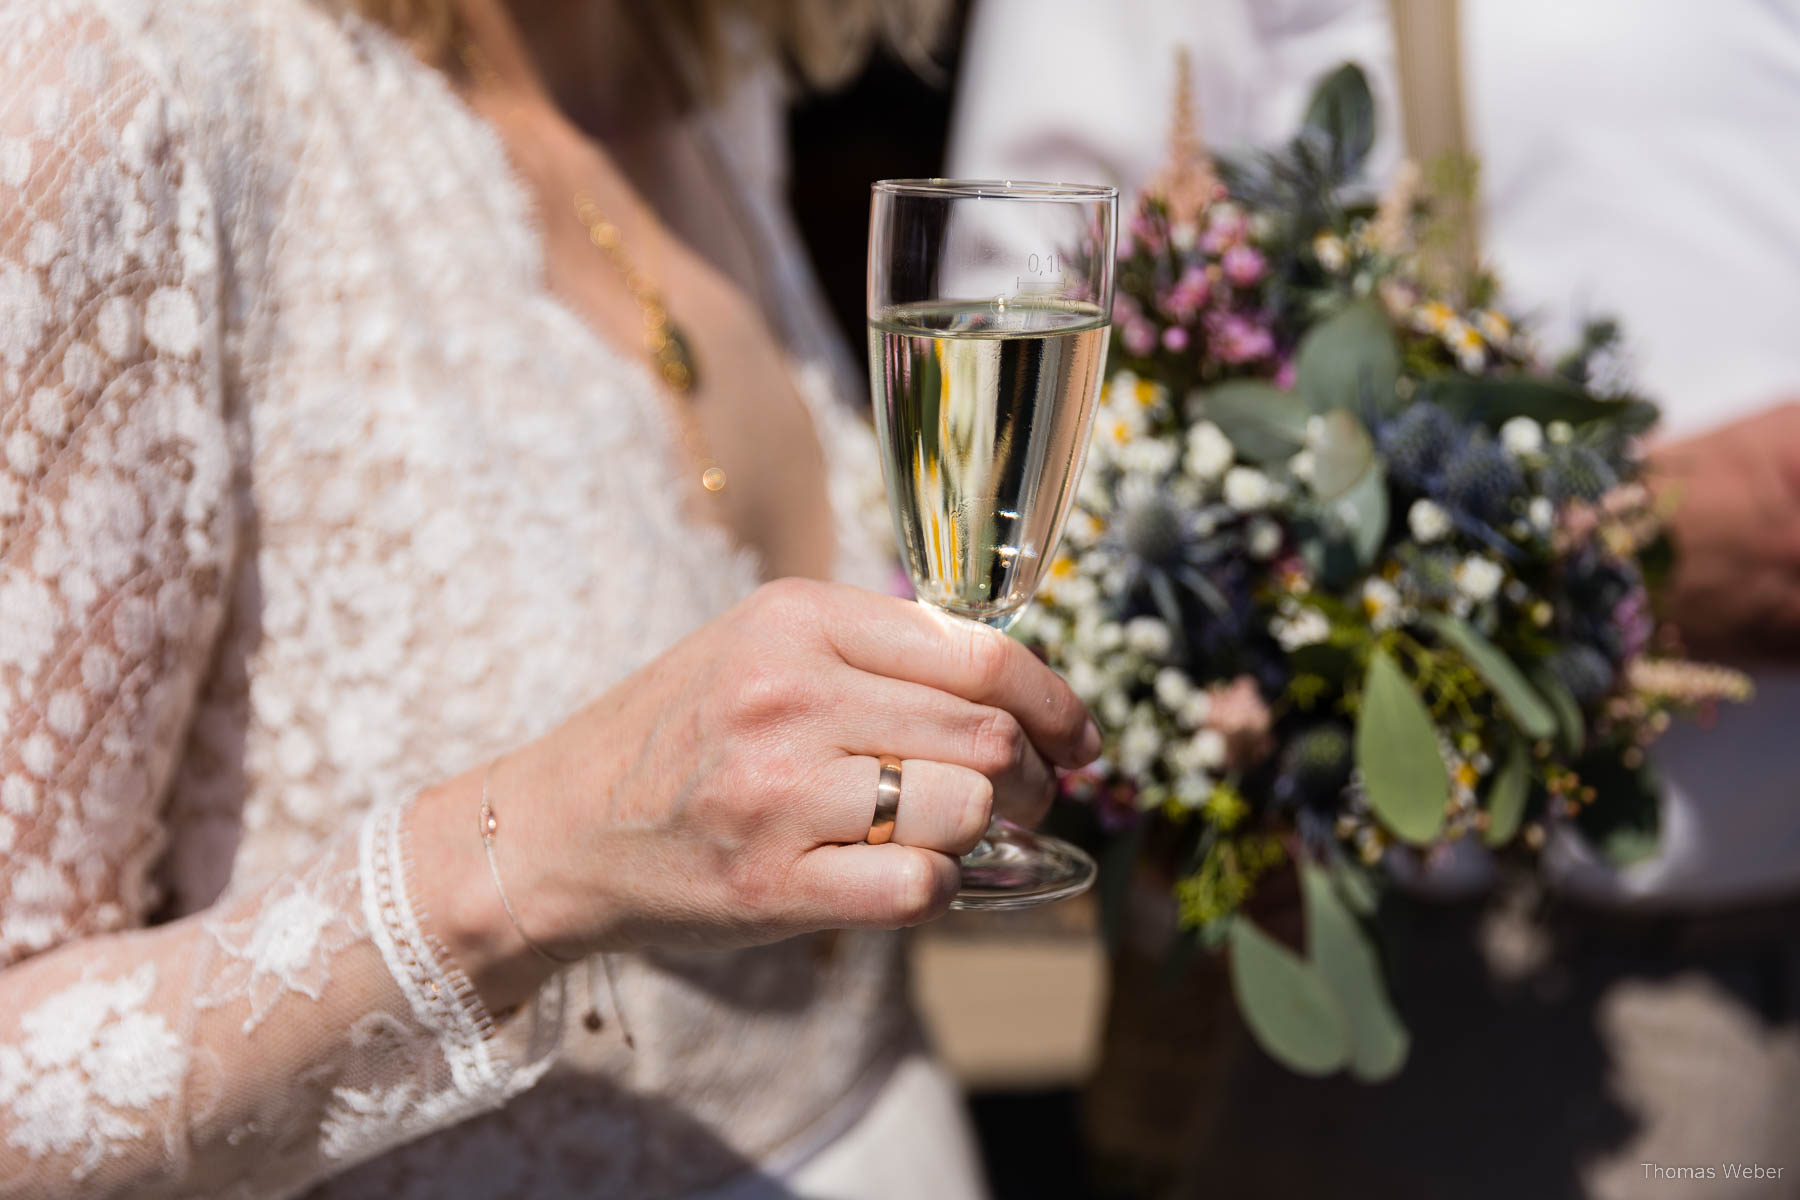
{"x": 887, "y": 802}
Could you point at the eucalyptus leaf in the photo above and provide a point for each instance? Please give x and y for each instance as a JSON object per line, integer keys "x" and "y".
{"x": 1352, "y": 355}
{"x": 1355, "y": 885}
{"x": 1265, "y": 424}
{"x": 1342, "y": 454}
{"x": 1403, "y": 772}
{"x": 1340, "y": 949}
{"x": 1534, "y": 717}
{"x": 1343, "y": 112}
{"x": 1570, "y": 722}
{"x": 1495, "y": 401}
{"x": 1360, "y": 516}
{"x": 1507, "y": 795}
{"x": 1288, "y": 1007}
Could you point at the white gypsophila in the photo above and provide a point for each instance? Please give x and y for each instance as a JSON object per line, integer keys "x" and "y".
{"x": 1541, "y": 513}
{"x": 1382, "y": 604}
{"x": 1560, "y": 432}
{"x": 1248, "y": 489}
{"x": 1300, "y": 626}
{"x": 1210, "y": 749}
{"x": 1195, "y": 709}
{"x": 1263, "y": 539}
{"x": 1084, "y": 679}
{"x": 1080, "y": 593}
{"x": 1183, "y": 235}
{"x": 1209, "y": 452}
{"x": 1192, "y": 789}
{"x": 1148, "y": 636}
{"x": 1478, "y": 578}
{"x": 1141, "y": 743}
{"x": 1082, "y": 530}
{"x": 1114, "y": 706}
{"x": 1187, "y": 492}
{"x": 1183, "y": 757}
{"x": 1427, "y": 521}
{"x": 1173, "y": 688}
{"x": 1301, "y": 466}
{"x": 1151, "y": 456}
{"x": 1522, "y": 435}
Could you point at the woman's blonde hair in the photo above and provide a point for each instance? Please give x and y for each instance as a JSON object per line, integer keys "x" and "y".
{"x": 827, "y": 41}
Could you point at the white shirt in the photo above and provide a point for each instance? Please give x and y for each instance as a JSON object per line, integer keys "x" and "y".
{"x": 1639, "y": 161}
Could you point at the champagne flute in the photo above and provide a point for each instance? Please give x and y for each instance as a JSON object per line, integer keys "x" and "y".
{"x": 989, "y": 309}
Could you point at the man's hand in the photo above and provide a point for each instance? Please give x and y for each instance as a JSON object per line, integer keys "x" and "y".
{"x": 1735, "y": 593}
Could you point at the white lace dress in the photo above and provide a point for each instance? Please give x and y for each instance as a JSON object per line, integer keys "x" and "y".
{"x": 312, "y": 494}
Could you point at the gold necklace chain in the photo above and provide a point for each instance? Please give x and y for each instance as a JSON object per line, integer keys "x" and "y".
{"x": 663, "y": 338}
{"x": 668, "y": 347}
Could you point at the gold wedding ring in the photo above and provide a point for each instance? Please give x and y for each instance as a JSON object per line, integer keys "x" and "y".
{"x": 887, "y": 802}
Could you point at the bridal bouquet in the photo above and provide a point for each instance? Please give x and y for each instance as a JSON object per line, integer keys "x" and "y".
{"x": 1352, "y": 574}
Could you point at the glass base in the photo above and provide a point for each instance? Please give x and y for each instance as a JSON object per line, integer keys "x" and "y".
{"x": 1016, "y": 868}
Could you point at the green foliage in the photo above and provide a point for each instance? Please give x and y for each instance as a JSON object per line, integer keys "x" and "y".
{"x": 1265, "y": 424}
{"x": 1507, "y": 794}
{"x": 1350, "y": 361}
{"x": 1571, "y": 725}
{"x": 1403, "y": 771}
{"x": 1360, "y": 516}
{"x": 1340, "y": 949}
{"x": 1342, "y": 456}
{"x": 1343, "y": 113}
{"x": 1494, "y": 400}
{"x": 1534, "y": 717}
{"x": 1229, "y": 870}
{"x": 1288, "y": 1006}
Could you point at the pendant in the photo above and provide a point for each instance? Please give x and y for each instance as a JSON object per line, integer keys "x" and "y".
{"x": 675, "y": 360}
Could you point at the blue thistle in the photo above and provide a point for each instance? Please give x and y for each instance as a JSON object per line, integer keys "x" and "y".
{"x": 1154, "y": 531}
{"x": 1584, "y": 671}
{"x": 1481, "y": 480}
{"x": 1416, "y": 443}
{"x": 1578, "y": 473}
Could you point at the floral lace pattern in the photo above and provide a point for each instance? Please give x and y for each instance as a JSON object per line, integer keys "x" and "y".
{"x": 312, "y": 494}
{"x": 90, "y": 1060}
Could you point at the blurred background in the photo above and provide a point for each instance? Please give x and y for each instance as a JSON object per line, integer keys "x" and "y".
{"x": 1561, "y": 1036}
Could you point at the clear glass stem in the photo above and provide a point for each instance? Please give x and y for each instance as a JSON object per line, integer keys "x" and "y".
{"x": 1013, "y": 867}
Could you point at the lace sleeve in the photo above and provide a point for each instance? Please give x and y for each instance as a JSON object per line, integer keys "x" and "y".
{"x": 295, "y": 1029}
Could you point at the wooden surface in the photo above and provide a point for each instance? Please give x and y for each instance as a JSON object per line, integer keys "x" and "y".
{"x": 1014, "y": 1001}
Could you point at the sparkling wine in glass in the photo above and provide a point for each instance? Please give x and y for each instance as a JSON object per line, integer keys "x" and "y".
{"x": 989, "y": 309}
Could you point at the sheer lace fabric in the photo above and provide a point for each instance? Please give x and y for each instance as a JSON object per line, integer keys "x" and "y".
{"x": 311, "y": 494}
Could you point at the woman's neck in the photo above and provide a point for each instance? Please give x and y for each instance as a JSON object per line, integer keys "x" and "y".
{"x": 590, "y": 58}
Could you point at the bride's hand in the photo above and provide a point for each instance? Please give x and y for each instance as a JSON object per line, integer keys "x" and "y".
{"x": 721, "y": 795}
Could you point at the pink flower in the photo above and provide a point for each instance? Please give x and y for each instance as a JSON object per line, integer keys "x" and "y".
{"x": 1225, "y": 228}
{"x": 1146, "y": 232}
{"x": 1244, "y": 265}
{"x": 1175, "y": 339}
{"x": 1631, "y": 616}
{"x": 1140, "y": 337}
{"x": 1189, "y": 295}
{"x": 1285, "y": 375}
{"x": 1235, "y": 338}
{"x": 1238, "y": 713}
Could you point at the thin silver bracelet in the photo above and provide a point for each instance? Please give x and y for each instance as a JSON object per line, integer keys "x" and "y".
{"x": 490, "y": 825}
{"x": 490, "y": 828}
